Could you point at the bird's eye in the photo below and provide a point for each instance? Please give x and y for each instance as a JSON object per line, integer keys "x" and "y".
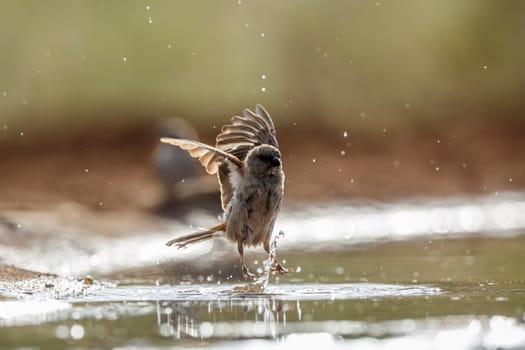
{"x": 272, "y": 159}
{"x": 266, "y": 157}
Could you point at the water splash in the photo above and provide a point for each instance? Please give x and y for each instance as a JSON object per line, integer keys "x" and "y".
{"x": 227, "y": 293}
{"x": 262, "y": 281}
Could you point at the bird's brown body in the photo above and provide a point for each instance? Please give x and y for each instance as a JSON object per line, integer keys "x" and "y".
{"x": 249, "y": 169}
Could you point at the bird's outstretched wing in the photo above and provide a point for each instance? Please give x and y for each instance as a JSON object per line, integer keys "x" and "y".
{"x": 210, "y": 157}
{"x": 232, "y": 144}
{"x": 247, "y": 131}
{"x": 238, "y": 138}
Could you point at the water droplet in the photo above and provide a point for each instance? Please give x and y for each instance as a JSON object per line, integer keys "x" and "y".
{"x": 384, "y": 130}
{"x": 86, "y": 170}
{"x": 314, "y": 160}
{"x": 351, "y": 180}
{"x": 510, "y": 179}
{"x": 469, "y": 260}
{"x": 438, "y": 141}
{"x": 263, "y": 76}
{"x": 101, "y": 203}
{"x": 345, "y": 134}
{"x": 262, "y": 35}
{"x": 166, "y": 330}
{"x": 484, "y": 67}
{"x": 4, "y": 127}
{"x": 206, "y": 329}
{"x": 169, "y": 46}
{"x": 147, "y": 8}
{"x": 150, "y": 20}
{"x": 62, "y": 332}
{"x": 437, "y": 168}
{"x": 343, "y": 152}
{"x": 263, "y": 89}
{"x": 21, "y": 133}
{"x": 4, "y": 93}
{"x": 125, "y": 59}
{"x": 77, "y": 331}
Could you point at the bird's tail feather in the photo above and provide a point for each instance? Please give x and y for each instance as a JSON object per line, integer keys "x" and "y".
{"x": 181, "y": 242}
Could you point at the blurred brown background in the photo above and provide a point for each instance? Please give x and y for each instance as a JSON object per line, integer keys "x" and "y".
{"x": 372, "y": 99}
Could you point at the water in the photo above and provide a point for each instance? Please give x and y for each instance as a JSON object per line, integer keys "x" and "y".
{"x": 426, "y": 274}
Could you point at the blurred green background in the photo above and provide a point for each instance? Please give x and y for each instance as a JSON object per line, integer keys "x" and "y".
{"x": 67, "y": 65}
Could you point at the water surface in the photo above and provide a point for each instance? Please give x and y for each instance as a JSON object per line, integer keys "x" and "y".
{"x": 429, "y": 274}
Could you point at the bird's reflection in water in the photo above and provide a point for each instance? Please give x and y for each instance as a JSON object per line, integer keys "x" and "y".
{"x": 261, "y": 318}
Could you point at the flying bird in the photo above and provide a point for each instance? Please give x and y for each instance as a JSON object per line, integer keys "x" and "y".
{"x": 247, "y": 161}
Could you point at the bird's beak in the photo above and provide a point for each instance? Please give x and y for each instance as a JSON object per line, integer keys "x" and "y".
{"x": 275, "y": 161}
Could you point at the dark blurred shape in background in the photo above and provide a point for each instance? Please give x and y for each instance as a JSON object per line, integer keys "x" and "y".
{"x": 174, "y": 165}
{"x": 184, "y": 181}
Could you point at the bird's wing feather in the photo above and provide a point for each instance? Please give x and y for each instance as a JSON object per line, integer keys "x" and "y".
{"x": 238, "y": 138}
{"x": 226, "y": 184}
{"x": 210, "y": 157}
{"x": 246, "y": 132}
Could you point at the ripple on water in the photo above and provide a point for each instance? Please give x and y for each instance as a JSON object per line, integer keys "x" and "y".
{"x": 284, "y": 292}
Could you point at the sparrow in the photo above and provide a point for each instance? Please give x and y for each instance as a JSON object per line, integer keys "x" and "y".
{"x": 247, "y": 161}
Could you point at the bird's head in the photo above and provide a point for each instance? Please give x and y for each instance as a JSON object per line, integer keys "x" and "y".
{"x": 264, "y": 160}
